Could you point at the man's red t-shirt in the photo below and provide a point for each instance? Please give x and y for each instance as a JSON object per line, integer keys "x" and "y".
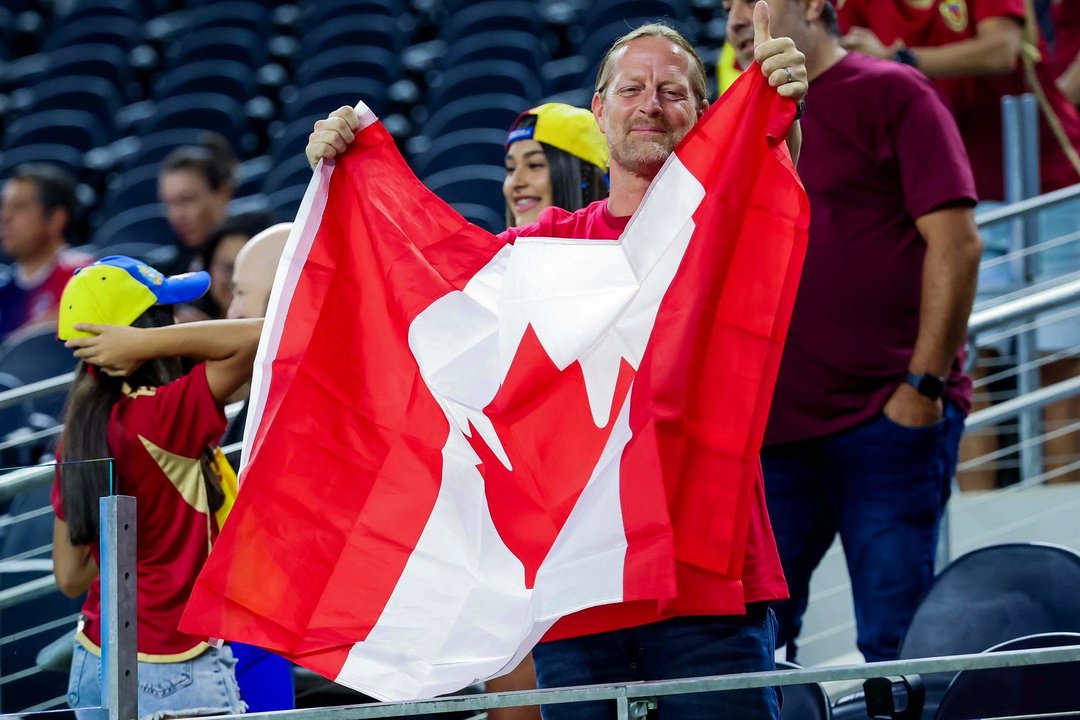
{"x": 157, "y": 436}
{"x": 25, "y": 301}
{"x": 698, "y": 592}
{"x": 975, "y": 101}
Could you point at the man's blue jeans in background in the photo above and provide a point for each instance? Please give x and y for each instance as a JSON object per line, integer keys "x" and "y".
{"x": 676, "y": 648}
{"x": 883, "y": 487}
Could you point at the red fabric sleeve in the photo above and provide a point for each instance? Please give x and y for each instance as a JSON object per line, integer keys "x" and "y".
{"x": 986, "y": 9}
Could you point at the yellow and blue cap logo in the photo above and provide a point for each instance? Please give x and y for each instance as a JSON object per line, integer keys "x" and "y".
{"x": 117, "y": 289}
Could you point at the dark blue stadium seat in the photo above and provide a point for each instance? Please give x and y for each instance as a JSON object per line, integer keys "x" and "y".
{"x": 985, "y": 598}
{"x": 285, "y": 202}
{"x": 481, "y": 77}
{"x": 323, "y": 11}
{"x": 238, "y": 14}
{"x": 236, "y": 44}
{"x": 12, "y": 417}
{"x": 325, "y": 96}
{"x": 289, "y": 172}
{"x": 89, "y": 94}
{"x": 482, "y": 216}
{"x": 73, "y": 128}
{"x": 293, "y": 136}
{"x": 804, "y": 702}
{"x": 153, "y": 254}
{"x": 124, "y": 33}
{"x": 62, "y": 155}
{"x": 598, "y": 41}
{"x": 34, "y": 354}
{"x": 1034, "y": 690}
{"x": 462, "y": 147}
{"x": 567, "y": 74}
{"x": 478, "y": 111}
{"x": 474, "y": 184}
{"x": 371, "y": 63}
{"x": 598, "y": 12}
{"x": 154, "y": 146}
{"x": 203, "y": 111}
{"x": 250, "y": 175}
{"x": 94, "y": 9}
{"x": 221, "y": 77}
{"x": 131, "y": 189}
{"x": 146, "y": 224}
{"x": 104, "y": 62}
{"x": 492, "y": 15}
{"x": 505, "y": 45}
{"x": 381, "y": 32}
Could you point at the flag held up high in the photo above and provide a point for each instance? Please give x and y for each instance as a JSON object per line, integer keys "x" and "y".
{"x": 455, "y": 442}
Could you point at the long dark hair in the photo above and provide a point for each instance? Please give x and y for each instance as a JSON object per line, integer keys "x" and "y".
{"x": 85, "y": 437}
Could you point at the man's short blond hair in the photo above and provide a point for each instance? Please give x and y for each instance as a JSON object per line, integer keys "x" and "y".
{"x": 698, "y": 83}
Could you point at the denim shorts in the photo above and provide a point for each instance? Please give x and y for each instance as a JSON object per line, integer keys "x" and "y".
{"x": 203, "y": 685}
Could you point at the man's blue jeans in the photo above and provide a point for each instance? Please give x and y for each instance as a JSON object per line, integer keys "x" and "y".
{"x": 676, "y": 648}
{"x": 883, "y": 487}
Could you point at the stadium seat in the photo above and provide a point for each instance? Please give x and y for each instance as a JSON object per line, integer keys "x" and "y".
{"x": 474, "y": 78}
{"x": 103, "y": 62}
{"x": 123, "y": 33}
{"x": 289, "y": 172}
{"x": 146, "y": 224}
{"x": 598, "y": 12}
{"x": 89, "y": 94}
{"x": 482, "y": 215}
{"x": 251, "y": 174}
{"x": 292, "y": 138}
{"x": 325, "y": 96}
{"x": 12, "y": 417}
{"x": 236, "y": 44}
{"x": 380, "y": 32}
{"x": 803, "y": 702}
{"x": 474, "y": 184}
{"x": 131, "y": 189}
{"x": 371, "y": 63}
{"x": 204, "y": 111}
{"x": 492, "y": 15}
{"x": 598, "y": 41}
{"x": 153, "y": 147}
{"x": 72, "y": 128}
{"x": 234, "y": 14}
{"x": 221, "y": 77}
{"x": 505, "y": 45}
{"x": 34, "y": 354}
{"x": 285, "y": 202}
{"x": 319, "y": 13}
{"x": 1029, "y": 691}
{"x": 567, "y": 74}
{"x": 67, "y": 157}
{"x": 985, "y": 598}
{"x": 95, "y": 9}
{"x": 155, "y": 255}
{"x": 462, "y": 147}
{"x": 496, "y": 111}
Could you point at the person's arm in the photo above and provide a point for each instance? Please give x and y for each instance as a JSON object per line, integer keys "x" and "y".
{"x": 227, "y": 347}
{"x": 794, "y": 141}
{"x": 995, "y": 50}
{"x": 73, "y": 566}
{"x": 950, "y": 271}
{"x": 1069, "y": 81}
{"x": 332, "y": 136}
{"x": 785, "y": 67}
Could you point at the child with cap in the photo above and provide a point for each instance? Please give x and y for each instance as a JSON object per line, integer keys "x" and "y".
{"x": 555, "y": 156}
{"x": 150, "y": 395}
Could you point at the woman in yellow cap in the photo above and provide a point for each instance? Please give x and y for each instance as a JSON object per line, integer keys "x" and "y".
{"x": 555, "y": 156}
{"x": 149, "y": 395}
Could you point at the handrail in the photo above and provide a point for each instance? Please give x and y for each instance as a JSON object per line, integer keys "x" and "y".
{"x": 1021, "y": 208}
{"x": 623, "y": 692}
{"x": 33, "y": 390}
{"x": 1041, "y": 301}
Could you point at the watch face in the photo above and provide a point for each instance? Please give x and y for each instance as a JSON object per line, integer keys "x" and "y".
{"x": 931, "y": 386}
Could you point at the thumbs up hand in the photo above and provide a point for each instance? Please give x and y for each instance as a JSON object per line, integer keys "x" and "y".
{"x": 781, "y": 62}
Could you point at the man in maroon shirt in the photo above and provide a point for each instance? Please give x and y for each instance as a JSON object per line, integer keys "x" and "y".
{"x": 870, "y": 400}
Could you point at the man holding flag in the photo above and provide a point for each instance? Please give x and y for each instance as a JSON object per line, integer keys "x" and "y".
{"x": 585, "y": 415}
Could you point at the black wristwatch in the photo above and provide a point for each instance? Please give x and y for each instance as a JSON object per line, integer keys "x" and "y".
{"x": 906, "y": 56}
{"x": 931, "y": 386}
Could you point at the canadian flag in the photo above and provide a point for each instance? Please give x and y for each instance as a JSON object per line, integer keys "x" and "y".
{"x": 453, "y": 442}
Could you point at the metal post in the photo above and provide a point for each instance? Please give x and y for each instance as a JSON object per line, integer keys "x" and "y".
{"x": 627, "y": 709}
{"x": 119, "y": 654}
{"x": 1027, "y": 352}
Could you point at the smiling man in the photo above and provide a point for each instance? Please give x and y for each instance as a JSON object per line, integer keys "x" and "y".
{"x": 650, "y": 91}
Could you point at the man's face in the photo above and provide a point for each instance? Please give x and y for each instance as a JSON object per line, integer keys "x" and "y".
{"x": 250, "y": 290}
{"x": 785, "y": 20}
{"x": 24, "y": 226}
{"x": 648, "y": 105}
{"x": 194, "y": 209}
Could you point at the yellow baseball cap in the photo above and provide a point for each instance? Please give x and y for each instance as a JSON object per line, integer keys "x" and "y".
{"x": 117, "y": 289}
{"x": 567, "y": 128}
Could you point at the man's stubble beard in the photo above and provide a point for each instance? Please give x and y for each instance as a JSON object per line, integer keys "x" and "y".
{"x": 644, "y": 157}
